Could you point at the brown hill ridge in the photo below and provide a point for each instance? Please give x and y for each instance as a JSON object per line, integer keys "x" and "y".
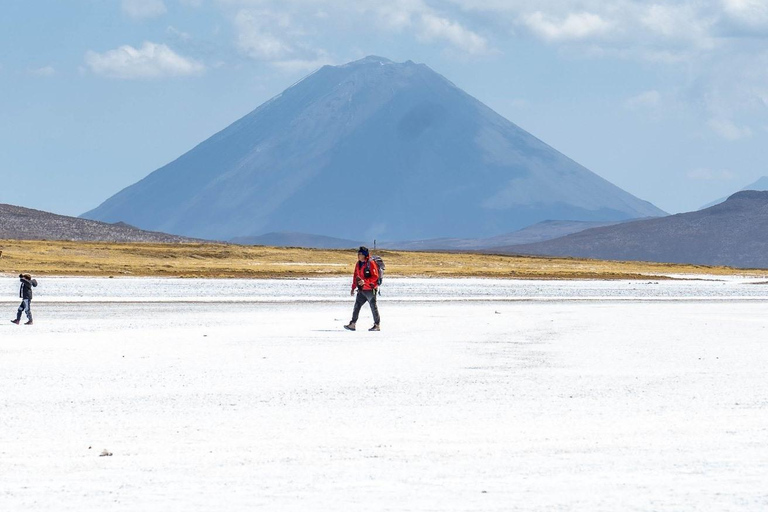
{"x": 17, "y": 223}
{"x": 733, "y": 233}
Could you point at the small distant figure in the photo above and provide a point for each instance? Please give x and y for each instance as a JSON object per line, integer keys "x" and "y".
{"x": 25, "y": 293}
{"x": 366, "y": 282}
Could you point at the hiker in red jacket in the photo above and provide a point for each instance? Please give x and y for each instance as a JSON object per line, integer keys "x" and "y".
{"x": 366, "y": 282}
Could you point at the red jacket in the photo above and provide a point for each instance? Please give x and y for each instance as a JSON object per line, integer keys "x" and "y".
{"x": 371, "y": 283}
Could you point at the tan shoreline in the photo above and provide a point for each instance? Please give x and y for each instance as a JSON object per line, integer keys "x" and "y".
{"x": 235, "y": 261}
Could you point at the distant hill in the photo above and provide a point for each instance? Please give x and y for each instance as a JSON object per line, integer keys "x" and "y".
{"x": 760, "y": 185}
{"x": 19, "y": 223}
{"x": 372, "y": 149}
{"x": 297, "y": 240}
{"x": 733, "y": 233}
{"x": 539, "y": 232}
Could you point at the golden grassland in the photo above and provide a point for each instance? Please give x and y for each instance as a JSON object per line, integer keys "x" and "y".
{"x": 63, "y": 258}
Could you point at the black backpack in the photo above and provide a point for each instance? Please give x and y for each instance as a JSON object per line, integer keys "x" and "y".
{"x": 380, "y": 264}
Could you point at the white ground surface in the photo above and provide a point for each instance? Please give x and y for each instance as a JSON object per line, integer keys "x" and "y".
{"x": 477, "y": 395}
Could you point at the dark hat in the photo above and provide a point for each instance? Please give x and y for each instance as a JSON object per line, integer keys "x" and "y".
{"x": 363, "y": 250}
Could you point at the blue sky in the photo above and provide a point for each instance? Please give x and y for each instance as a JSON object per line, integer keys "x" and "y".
{"x": 667, "y": 100}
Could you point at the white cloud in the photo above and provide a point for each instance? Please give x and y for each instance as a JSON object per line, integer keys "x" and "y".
{"x": 181, "y": 35}
{"x": 43, "y": 72}
{"x": 264, "y": 35}
{"x": 434, "y": 27}
{"x": 728, "y": 129}
{"x": 395, "y": 14}
{"x": 140, "y": 9}
{"x": 703, "y": 174}
{"x": 255, "y": 37}
{"x": 150, "y": 61}
{"x": 751, "y": 13}
{"x": 574, "y": 26}
{"x": 634, "y": 27}
{"x": 681, "y": 23}
{"x": 268, "y": 30}
{"x": 428, "y": 25}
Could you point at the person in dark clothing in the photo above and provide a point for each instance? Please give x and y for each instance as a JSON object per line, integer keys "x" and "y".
{"x": 366, "y": 282}
{"x": 25, "y": 293}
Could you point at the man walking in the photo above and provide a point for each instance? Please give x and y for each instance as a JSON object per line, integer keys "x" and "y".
{"x": 25, "y": 293}
{"x": 366, "y": 282}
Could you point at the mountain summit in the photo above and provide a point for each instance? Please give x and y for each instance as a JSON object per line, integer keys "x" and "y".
{"x": 759, "y": 185}
{"x": 369, "y": 149}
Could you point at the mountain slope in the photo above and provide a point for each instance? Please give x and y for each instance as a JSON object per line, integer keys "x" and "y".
{"x": 17, "y": 223}
{"x": 371, "y": 149}
{"x": 733, "y": 233}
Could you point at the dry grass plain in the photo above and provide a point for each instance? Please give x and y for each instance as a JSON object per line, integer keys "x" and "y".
{"x": 233, "y": 261}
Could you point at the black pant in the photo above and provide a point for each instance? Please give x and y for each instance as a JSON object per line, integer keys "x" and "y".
{"x": 364, "y": 296}
{"x": 25, "y": 307}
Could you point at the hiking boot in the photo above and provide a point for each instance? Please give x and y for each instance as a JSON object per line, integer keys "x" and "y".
{"x": 375, "y": 328}
{"x": 28, "y": 323}
{"x": 350, "y": 326}
{"x": 15, "y": 321}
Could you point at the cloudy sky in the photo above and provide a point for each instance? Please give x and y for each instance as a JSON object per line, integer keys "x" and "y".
{"x": 667, "y": 100}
